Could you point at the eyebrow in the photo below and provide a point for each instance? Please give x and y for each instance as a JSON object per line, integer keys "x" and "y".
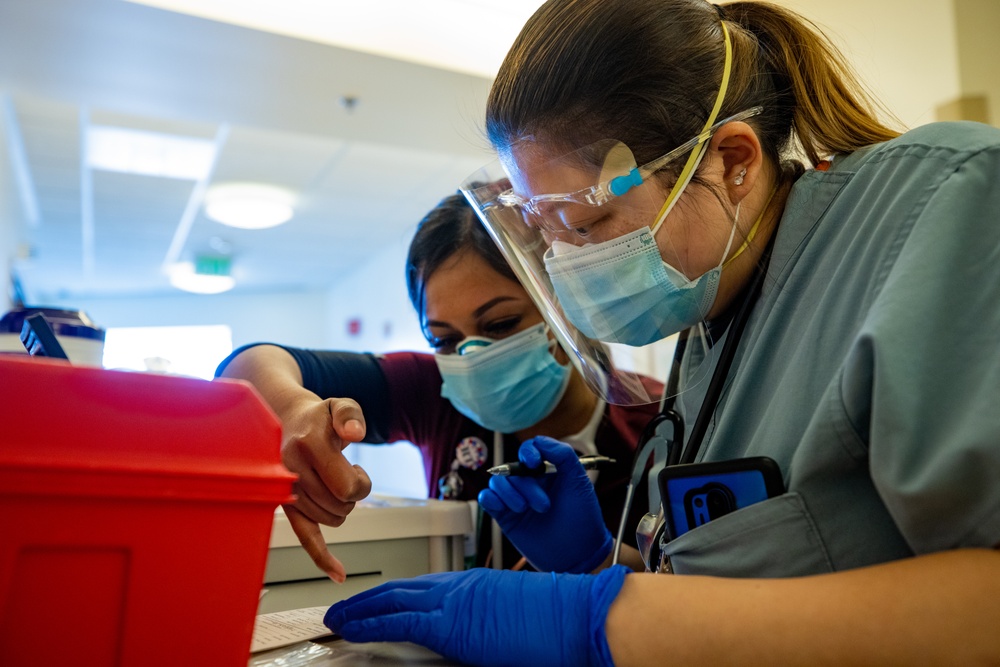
{"x": 478, "y": 312}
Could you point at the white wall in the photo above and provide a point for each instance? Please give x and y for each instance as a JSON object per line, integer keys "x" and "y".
{"x": 375, "y": 295}
{"x": 906, "y": 52}
{"x": 978, "y": 24}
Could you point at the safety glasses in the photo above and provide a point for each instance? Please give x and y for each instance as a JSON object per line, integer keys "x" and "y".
{"x": 547, "y": 211}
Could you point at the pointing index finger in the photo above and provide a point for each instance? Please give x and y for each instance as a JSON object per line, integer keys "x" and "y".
{"x": 314, "y": 543}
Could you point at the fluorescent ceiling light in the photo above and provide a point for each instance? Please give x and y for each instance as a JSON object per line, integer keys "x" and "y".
{"x": 470, "y": 36}
{"x": 249, "y": 205}
{"x": 183, "y": 276}
{"x": 149, "y": 153}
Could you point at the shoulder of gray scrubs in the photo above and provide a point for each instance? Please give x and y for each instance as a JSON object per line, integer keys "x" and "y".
{"x": 870, "y": 369}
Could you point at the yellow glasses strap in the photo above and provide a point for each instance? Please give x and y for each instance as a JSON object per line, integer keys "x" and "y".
{"x": 699, "y": 149}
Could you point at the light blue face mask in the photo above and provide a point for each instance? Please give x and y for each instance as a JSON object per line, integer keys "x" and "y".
{"x": 620, "y": 291}
{"x": 505, "y": 385}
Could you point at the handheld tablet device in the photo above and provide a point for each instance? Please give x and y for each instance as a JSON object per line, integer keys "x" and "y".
{"x": 694, "y": 494}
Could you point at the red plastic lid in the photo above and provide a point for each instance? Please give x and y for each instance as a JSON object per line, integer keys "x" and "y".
{"x": 60, "y": 420}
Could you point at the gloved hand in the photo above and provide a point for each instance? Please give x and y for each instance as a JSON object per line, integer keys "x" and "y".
{"x": 489, "y": 617}
{"x": 554, "y": 520}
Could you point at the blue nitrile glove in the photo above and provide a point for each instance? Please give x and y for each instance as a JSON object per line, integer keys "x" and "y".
{"x": 489, "y": 617}
{"x": 554, "y": 520}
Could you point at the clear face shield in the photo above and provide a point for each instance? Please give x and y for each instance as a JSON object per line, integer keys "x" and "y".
{"x": 590, "y": 261}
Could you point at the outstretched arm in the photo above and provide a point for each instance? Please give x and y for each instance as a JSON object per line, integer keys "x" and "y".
{"x": 314, "y": 434}
{"x": 942, "y": 608}
{"x": 935, "y": 609}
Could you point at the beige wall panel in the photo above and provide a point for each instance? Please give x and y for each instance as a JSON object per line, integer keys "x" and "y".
{"x": 905, "y": 52}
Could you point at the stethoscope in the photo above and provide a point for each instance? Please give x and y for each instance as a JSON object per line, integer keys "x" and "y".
{"x": 664, "y": 434}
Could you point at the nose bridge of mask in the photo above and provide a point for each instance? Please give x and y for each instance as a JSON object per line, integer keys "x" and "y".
{"x": 478, "y": 349}
{"x": 472, "y": 344}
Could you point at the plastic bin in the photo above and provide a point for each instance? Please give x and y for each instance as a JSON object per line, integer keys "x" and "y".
{"x": 135, "y": 513}
{"x": 80, "y": 338}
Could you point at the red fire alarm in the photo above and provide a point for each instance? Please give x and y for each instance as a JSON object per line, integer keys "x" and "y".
{"x": 354, "y": 326}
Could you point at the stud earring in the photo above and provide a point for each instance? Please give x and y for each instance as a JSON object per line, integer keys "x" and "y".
{"x": 739, "y": 179}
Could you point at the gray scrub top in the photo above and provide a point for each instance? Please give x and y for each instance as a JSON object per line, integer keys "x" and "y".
{"x": 870, "y": 367}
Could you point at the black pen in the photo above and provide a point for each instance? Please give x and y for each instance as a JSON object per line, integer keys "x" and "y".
{"x": 521, "y": 470}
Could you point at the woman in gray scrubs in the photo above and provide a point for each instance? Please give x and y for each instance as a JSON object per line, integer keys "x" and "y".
{"x": 667, "y": 164}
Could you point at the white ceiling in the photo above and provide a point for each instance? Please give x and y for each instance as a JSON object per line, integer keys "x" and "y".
{"x": 470, "y": 36}
{"x": 364, "y": 176}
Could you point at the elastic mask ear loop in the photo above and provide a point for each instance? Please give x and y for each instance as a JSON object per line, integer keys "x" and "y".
{"x": 753, "y": 230}
{"x": 732, "y": 235}
{"x": 553, "y": 343}
{"x": 697, "y": 153}
{"x": 554, "y": 347}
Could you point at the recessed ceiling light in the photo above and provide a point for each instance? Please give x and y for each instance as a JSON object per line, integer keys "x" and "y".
{"x": 249, "y": 205}
{"x": 149, "y": 153}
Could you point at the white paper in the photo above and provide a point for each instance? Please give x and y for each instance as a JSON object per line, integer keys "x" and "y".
{"x": 282, "y": 628}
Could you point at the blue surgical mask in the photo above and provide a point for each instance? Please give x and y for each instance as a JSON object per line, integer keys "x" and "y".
{"x": 505, "y": 385}
{"x": 621, "y": 291}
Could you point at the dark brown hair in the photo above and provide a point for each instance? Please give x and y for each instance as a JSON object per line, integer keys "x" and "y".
{"x": 449, "y": 228}
{"x": 646, "y": 72}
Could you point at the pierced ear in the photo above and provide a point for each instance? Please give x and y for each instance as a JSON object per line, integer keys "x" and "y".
{"x": 741, "y": 158}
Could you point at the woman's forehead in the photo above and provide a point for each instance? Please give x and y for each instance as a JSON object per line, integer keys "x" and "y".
{"x": 467, "y": 273}
{"x": 539, "y": 168}
{"x": 536, "y": 168}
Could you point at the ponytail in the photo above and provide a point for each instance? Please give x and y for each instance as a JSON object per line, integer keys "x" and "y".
{"x": 830, "y": 110}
